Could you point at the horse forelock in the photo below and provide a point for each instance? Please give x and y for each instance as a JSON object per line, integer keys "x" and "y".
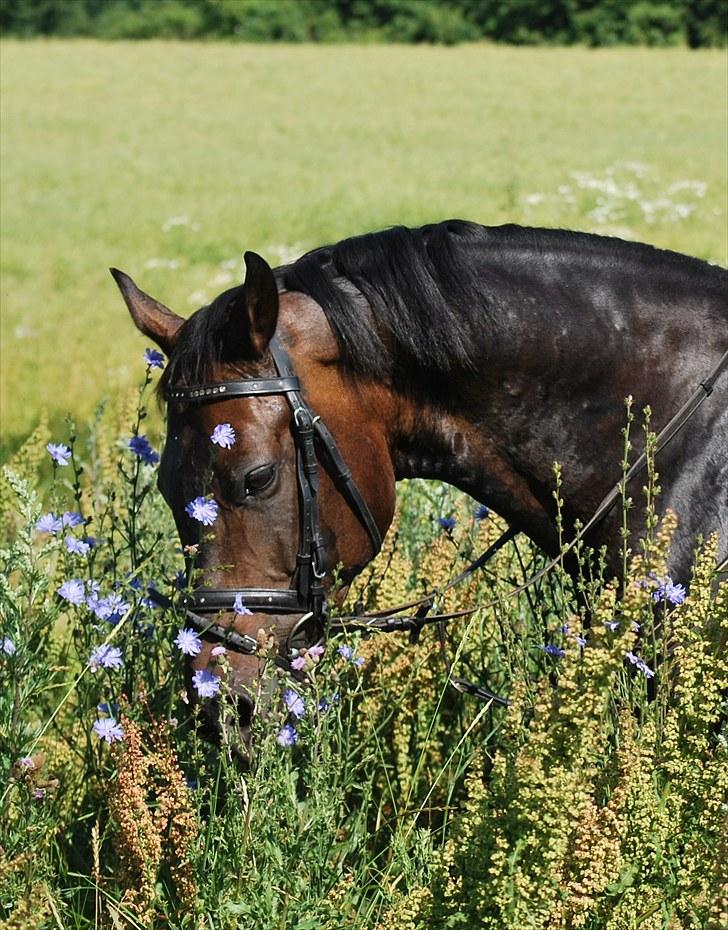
{"x": 204, "y": 342}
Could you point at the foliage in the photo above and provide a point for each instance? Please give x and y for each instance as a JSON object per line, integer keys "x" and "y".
{"x": 607, "y": 22}
{"x": 593, "y": 801}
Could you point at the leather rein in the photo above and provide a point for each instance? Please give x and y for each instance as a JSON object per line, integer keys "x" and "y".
{"x": 308, "y": 595}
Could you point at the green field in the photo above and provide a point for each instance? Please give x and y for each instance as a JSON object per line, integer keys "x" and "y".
{"x": 169, "y": 160}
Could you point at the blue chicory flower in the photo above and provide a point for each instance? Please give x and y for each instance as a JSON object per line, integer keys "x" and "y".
{"x": 202, "y": 509}
{"x": 206, "y": 683}
{"x": 49, "y": 523}
{"x": 294, "y": 703}
{"x": 447, "y": 523}
{"x": 73, "y": 591}
{"x": 223, "y": 435}
{"x": 105, "y": 656}
{"x": 555, "y": 651}
{"x": 346, "y": 651}
{"x": 611, "y": 625}
{"x": 288, "y": 736}
{"x": 640, "y": 664}
{"x": 240, "y": 609}
{"x": 670, "y": 592}
{"x": 109, "y": 730}
{"x": 153, "y": 358}
{"x": 110, "y": 608}
{"x": 105, "y": 708}
{"x": 188, "y": 642}
{"x": 60, "y": 454}
{"x": 77, "y": 546}
{"x": 72, "y": 518}
{"x": 8, "y": 646}
{"x": 141, "y": 447}
{"x": 481, "y": 512}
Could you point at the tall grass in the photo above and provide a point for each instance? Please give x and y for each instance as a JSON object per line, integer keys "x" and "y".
{"x": 384, "y": 799}
{"x": 169, "y": 159}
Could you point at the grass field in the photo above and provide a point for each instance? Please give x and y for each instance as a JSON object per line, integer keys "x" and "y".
{"x": 168, "y": 160}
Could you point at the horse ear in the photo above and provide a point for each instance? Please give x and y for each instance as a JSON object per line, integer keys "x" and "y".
{"x": 261, "y": 302}
{"x": 150, "y": 317}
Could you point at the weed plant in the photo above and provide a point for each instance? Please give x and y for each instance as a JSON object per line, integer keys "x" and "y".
{"x": 375, "y": 796}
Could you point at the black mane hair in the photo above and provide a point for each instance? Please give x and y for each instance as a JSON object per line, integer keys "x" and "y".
{"x": 431, "y": 297}
{"x": 412, "y": 294}
{"x": 426, "y": 298}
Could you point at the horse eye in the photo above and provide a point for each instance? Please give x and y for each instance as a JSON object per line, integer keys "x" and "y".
{"x": 259, "y": 479}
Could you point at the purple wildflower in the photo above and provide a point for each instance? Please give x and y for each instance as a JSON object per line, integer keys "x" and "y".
{"x": 153, "y": 358}
{"x": 105, "y": 657}
{"x": 447, "y": 523}
{"x": 555, "y": 651}
{"x": 346, "y": 651}
{"x": 203, "y": 510}
{"x": 240, "y": 609}
{"x": 359, "y": 661}
{"x": 111, "y": 608}
{"x": 39, "y": 794}
{"x": 73, "y": 591}
{"x": 141, "y": 447}
{"x": 77, "y": 546}
{"x": 315, "y": 652}
{"x": 298, "y": 664}
{"x": 670, "y": 592}
{"x": 188, "y": 642}
{"x": 72, "y": 518}
{"x": 108, "y": 729}
{"x": 206, "y": 683}
{"x": 49, "y": 523}
{"x": 581, "y": 641}
{"x": 288, "y": 736}
{"x": 294, "y": 703}
{"x": 60, "y": 454}
{"x": 218, "y": 651}
{"x": 27, "y": 763}
{"x": 640, "y": 664}
{"x": 9, "y": 647}
{"x": 109, "y": 709}
{"x": 223, "y": 435}
{"x": 481, "y": 512}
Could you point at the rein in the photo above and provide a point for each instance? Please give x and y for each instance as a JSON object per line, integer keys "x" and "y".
{"x": 308, "y": 595}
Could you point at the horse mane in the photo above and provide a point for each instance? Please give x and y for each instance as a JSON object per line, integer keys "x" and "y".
{"x": 425, "y": 298}
{"x": 432, "y": 296}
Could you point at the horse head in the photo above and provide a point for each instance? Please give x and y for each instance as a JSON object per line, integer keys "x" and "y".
{"x": 276, "y": 468}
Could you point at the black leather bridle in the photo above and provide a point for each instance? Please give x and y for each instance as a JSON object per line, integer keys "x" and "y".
{"x": 308, "y": 594}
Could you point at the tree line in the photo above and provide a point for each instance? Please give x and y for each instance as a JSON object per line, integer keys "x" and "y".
{"x": 524, "y": 22}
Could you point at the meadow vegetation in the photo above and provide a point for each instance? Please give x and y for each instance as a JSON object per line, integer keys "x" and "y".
{"x": 376, "y": 797}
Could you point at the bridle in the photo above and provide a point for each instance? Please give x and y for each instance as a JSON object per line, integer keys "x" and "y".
{"x": 308, "y": 594}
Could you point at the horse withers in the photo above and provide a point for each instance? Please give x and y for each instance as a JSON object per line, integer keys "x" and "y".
{"x": 478, "y": 356}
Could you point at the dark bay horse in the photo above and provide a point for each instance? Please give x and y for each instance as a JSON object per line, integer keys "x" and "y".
{"x": 479, "y": 356}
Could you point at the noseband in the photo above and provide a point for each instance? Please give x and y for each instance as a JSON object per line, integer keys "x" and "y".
{"x": 308, "y": 595}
